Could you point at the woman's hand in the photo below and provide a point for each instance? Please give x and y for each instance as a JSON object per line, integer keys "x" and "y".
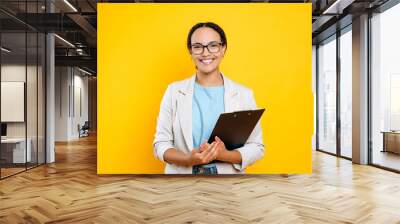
{"x": 203, "y": 155}
{"x": 222, "y": 154}
{"x": 221, "y": 150}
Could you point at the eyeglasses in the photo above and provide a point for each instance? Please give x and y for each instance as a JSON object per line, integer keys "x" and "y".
{"x": 212, "y": 47}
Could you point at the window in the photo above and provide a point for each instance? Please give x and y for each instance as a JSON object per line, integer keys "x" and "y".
{"x": 327, "y": 95}
{"x": 385, "y": 88}
{"x": 346, "y": 93}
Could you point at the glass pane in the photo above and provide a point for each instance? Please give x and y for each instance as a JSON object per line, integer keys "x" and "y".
{"x": 31, "y": 85}
{"x": 346, "y": 94}
{"x": 386, "y": 88}
{"x": 327, "y": 96}
{"x": 13, "y": 88}
{"x": 22, "y": 89}
{"x": 41, "y": 98}
{"x": 314, "y": 78}
{"x": 32, "y": 95}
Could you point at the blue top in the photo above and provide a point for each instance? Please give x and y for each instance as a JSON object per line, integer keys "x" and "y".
{"x": 208, "y": 104}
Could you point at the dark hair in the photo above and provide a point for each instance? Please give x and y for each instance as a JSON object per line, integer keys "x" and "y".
{"x": 211, "y": 25}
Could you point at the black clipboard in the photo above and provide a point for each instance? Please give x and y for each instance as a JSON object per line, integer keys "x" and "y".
{"x": 235, "y": 128}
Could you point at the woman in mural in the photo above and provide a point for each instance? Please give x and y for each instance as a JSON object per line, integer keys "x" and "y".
{"x": 191, "y": 107}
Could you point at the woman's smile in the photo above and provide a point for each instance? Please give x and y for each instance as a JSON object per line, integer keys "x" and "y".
{"x": 206, "y": 61}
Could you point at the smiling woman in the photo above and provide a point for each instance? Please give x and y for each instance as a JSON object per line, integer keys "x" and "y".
{"x": 190, "y": 109}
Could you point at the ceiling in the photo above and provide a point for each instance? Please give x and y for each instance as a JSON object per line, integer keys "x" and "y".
{"x": 76, "y": 22}
{"x": 329, "y": 16}
{"x": 72, "y": 20}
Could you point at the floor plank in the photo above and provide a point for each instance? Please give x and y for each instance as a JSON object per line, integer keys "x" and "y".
{"x": 70, "y": 191}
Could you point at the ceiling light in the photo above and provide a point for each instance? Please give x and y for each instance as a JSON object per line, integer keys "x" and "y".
{"x": 64, "y": 40}
{"x": 84, "y": 71}
{"x": 5, "y": 50}
{"x": 70, "y": 5}
{"x": 338, "y": 6}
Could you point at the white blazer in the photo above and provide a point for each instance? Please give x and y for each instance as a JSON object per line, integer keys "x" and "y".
{"x": 174, "y": 125}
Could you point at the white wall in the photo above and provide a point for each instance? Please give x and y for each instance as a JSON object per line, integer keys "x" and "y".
{"x": 62, "y": 81}
{"x": 12, "y": 73}
{"x": 80, "y": 84}
{"x": 71, "y": 93}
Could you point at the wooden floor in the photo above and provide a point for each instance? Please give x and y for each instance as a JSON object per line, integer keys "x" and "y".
{"x": 387, "y": 159}
{"x": 69, "y": 191}
{"x": 5, "y": 172}
{"x": 9, "y": 171}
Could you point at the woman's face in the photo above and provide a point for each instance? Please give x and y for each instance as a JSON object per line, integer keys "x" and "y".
{"x": 206, "y": 61}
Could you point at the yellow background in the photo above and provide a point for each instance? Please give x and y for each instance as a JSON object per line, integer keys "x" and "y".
{"x": 142, "y": 48}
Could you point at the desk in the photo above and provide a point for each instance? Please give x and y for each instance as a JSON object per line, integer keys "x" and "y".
{"x": 391, "y": 141}
{"x": 13, "y": 150}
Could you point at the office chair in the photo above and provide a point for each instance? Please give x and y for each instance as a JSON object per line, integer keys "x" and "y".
{"x": 84, "y": 130}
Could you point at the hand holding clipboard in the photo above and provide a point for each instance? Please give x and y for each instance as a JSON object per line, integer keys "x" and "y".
{"x": 235, "y": 128}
